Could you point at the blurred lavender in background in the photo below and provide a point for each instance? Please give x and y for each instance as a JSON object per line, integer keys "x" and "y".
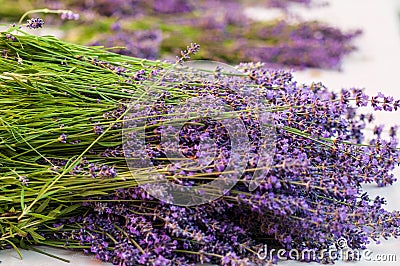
{"x": 224, "y": 29}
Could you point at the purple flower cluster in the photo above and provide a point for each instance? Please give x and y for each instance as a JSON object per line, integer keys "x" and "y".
{"x": 62, "y": 138}
{"x": 118, "y": 8}
{"x": 310, "y": 198}
{"x": 24, "y": 180}
{"x": 98, "y": 129}
{"x": 101, "y": 171}
{"x": 69, "y": 15}
{"x": 308, "y": 44}
{"x": 35, "y": 23}
{"x": 140, "y": 43}
{"x": 147, "y": 232}
{"x": 190, "y": 50}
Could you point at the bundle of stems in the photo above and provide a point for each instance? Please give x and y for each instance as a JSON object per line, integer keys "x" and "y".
{"x": 53, "y": 90}
{"x": 62, "y": 109}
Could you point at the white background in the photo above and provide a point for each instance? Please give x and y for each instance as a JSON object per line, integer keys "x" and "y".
{"x": 375, "y": 67}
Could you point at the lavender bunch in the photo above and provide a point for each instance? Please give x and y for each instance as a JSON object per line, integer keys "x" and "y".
{"x": 67, "y": 182}
{"x": 311, "y": 198}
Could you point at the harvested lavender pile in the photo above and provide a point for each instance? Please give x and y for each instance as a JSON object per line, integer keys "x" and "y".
{"x": 66, "y": 180}
{"x": 158, "y": 29}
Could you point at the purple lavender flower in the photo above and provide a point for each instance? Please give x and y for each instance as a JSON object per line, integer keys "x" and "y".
{"x": 140, "y": 43}
{"x": 24, "y": 180}
{"x": 10, "y": 37}
{"x": 69, "y": 15}
{"x": 62, "y": 138}
{"x": 98, "y": 129}
{"x": 35, "y": 23}
{"x": 190, "y": 50}
{"x": 102, "y": 171}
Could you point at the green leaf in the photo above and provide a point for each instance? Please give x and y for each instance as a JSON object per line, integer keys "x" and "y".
{"x": 48, "y": 194}
{"x": 91, "y": 193}
{"x": 41, "y": 216}
{"x": 36, "y": 237}
{"x": 109, "y": 144}
{"x": 70, "y": 209}
{"x": 43, "y": 206}
{"x": 56, "y": 212}
{"x": 18, "y": 230}
{"x": 22, "y": 243}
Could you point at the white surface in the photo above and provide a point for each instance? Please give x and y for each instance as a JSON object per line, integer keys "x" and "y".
{"x": 31, "y": 258}
{"x": 375, "y": 67}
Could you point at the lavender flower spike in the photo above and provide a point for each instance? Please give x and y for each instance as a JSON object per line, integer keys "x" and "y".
{"x": 69, "y": 15}
{"x": 35, "y": 23}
